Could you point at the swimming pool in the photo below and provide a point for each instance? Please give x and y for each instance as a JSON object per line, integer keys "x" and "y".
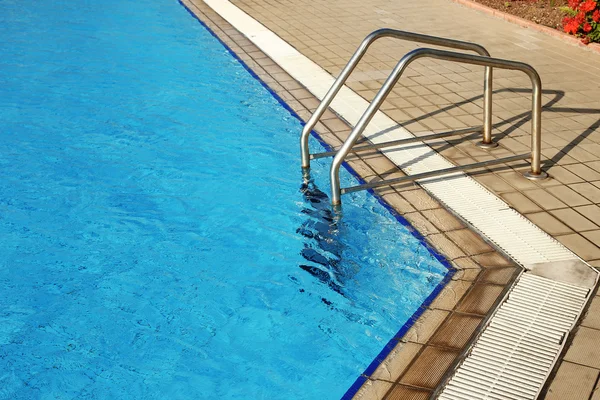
{"x": 158, "y": 241}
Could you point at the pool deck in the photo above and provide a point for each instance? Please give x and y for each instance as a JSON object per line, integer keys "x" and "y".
{"x": 436, "y": 96}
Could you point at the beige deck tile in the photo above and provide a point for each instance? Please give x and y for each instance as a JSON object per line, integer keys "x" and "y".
{"x": 466, "y": 269}
{"x": 593, "y": 236}
{"x": 584, "y": 172}
{"x": 456, "y": 331}
{"x": 450, "y": 295}
{"x": 517, "y": 180}
{"x": 429, "y": 367}
{"x": 544, "y": 199}
{"x": 548, "y": 223}
{"x": 580, "y": 246}
{"x": 572, "y": 382}
{"x": 398, "y": 203}
{"x": 498, "y": 276}
{"x": 424, "y": 327}
{"x": 401, "y": 392}
{"x": 492, "y": 260}
{"x": 574, "y": 220}
{"x": 445, "y": 246}
{"x": 495, "y": 183}
{"x": 470, "y": 242}
{"x": 420, "y": 199}
{"x": 585, "y": 349}
{"x": 592, "y": 317}
{"x": 469, "y": 275}
{"x": 421, "y": 223}
{"x": 480, "y": 299}
{"x": 443, "y": 220}
{"x": 568, "y": 196}
{"x": 587, "y": 190}
{"x": 373, "y": 390}
{"x": 596, "y": 392}
{"x": 591, "y": 212}
{"x": 396, "y": 362}
{"x": 520, "y": 202}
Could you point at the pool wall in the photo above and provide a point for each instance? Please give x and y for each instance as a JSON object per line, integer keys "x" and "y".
{"x": 478, "y": 275}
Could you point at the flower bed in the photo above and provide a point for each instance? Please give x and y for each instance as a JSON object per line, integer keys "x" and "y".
{"x": 544, "y": 12}
{"x": 583, "y": 20}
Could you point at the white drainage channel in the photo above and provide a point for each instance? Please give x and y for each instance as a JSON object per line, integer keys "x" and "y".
{"x": 528, "y": 245}
{"x": 514, "y": 354}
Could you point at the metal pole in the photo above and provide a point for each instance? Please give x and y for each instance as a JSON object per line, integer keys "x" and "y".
{"x": 334, "y": 172}
{"x": 535, "y": 173}
{"x": 358, "y": 55}
{"x": 487, "y": 142}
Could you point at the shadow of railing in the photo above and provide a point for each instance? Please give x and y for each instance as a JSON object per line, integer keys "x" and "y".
{"x": 512, "y": 124}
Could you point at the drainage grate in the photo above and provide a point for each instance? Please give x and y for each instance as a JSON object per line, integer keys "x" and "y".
{"x": 515, "y": 353}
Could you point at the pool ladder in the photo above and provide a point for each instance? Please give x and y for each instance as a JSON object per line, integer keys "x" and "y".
{"x": 482, "y": 58}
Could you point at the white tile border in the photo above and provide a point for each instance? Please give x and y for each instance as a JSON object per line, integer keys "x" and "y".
{"x": 522, "y": 240}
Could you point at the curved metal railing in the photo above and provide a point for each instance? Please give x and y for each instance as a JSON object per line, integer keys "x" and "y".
{"x": 409, "y": 36}
{"x": 488, "y": 62}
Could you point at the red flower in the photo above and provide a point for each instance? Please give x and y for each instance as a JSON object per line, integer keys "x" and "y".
{"x": 587, "y": 6}
{"x": 571, "y": 25}
{"x": 580, "y": 17}
{"x": 596, "y": 16}
{"x": 587, "y": 27}
{"x": 574, "y": 3}
{"x": 585, "y": 40}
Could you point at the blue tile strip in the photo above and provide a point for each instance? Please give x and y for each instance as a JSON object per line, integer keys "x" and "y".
{"x": 387, "y": 349}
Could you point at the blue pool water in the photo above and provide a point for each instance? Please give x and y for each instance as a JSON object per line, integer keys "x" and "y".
{"x": 156, "y": 240}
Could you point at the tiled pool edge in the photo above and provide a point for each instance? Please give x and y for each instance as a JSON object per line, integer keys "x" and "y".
{"x": 467, "y": 267}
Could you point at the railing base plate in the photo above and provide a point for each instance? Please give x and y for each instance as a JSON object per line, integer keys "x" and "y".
{"x": 484, "y": 145}
{"x": 535, "y": 177}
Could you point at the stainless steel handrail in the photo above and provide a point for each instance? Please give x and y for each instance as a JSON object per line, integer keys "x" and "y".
{"x": 536, "y": 128}
{"x": 414, "y": 37}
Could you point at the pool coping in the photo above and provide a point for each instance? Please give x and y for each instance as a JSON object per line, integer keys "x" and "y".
{"x": 431, "y": 320}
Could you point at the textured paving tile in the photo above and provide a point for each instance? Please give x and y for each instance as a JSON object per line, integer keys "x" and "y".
{"x": 544, "y": 199}
{"x": 572, "y": 382}
{"x": 422, "y": 224}
{"x": 585, "y": 349}
{"x": 591, "y": 212}
{"x": 400, "y": 392}
{"x": 568, "y": 196}
{"x": 443, "y": 220}
{"x": 429, "y": 368}
{"x": 580, "y": 246}
{"x": 396, "y": 362}
{"x": 596, "y": 392}
{"x": 498, "y": 276}
{"x": 480, "y": 299}
{"x": 520, "y": 202}
{"x": 469, "y": 242}
{"x": 549, "y": 223}
{"x": 574, "y": 220}
{"x": 423, "y": 329}
{"x": 592, "y": 317}
{"x": 456, "y": 331}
